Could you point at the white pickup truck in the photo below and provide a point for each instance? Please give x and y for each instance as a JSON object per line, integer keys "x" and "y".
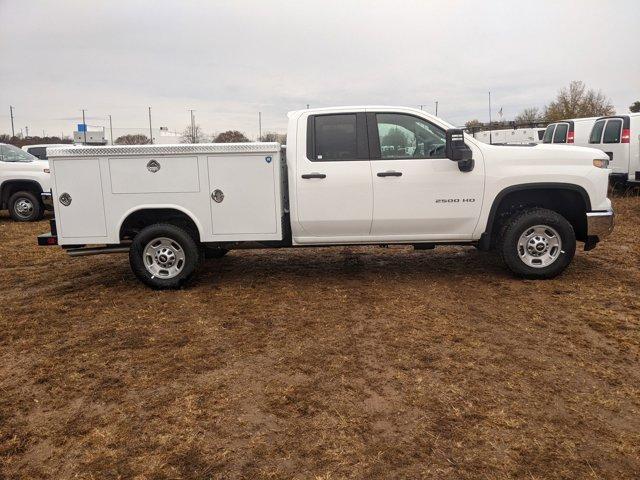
{"x": 348, "y": 176}
{"x": 24, "y": 184}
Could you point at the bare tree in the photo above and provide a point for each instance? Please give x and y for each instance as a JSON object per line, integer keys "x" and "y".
{"x": 577, "y": 101}
{"x": 135, "y": 139}
{"x": 475, "y": 123}
{"x": 529, "y": 115}
{"x": 635, "y": 107}
{"x": 231, "y": 136}
{"x": 193, "y": 135}
{"x": 274, "y": 137}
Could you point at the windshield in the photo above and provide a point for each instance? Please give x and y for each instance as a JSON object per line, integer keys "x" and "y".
{"x": 9, "y": 153}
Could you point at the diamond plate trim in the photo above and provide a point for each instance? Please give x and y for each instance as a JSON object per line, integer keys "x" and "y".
{"x": 199, "y": 148}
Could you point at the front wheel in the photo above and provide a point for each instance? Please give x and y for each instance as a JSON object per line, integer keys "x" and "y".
{"x": 537, "y": 243}
{"x": 164, "y": 256}
{"x": 25, "y": 207}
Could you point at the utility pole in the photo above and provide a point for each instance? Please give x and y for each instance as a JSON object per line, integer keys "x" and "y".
{"x": 84, "y": 127}
{"x": 13, "y": 133}
{"x": 436, "y": 108}
{"x": 150, "y": 130}
{"x": 490, "y": 129}
{"x": 259, "y": 126}
{"x": 111, "y": 129}
{"x": 26, "y": 129}
{"x": 307, "y": 106}
{"x": 193, "y": 127}
{"x": 421, "y": 106}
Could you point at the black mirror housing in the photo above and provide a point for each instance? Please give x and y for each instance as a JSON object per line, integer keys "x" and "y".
{"x": 458, "y": 151}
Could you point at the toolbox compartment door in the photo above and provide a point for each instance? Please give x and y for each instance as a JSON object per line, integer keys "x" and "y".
{"x": 82, "y": 213}
{"x": 243, "y": 194}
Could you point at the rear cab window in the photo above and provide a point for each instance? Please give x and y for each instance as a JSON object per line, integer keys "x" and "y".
{"x": 596, "y": 132}
{"x": 337, "y": 137}
{"x": 560, "y": 135}
{"x": 613, "y": 131}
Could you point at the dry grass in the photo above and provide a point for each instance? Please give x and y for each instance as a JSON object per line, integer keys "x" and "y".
{"x": 326, "y": 364}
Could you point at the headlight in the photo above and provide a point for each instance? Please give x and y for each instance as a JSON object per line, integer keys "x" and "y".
{"x": 600, "y": 163}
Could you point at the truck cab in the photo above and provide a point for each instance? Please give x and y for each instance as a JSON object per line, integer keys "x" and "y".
{"x": 370, "y": 175}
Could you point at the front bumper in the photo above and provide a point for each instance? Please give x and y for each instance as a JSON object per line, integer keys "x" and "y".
{"x": 600, "y": 224}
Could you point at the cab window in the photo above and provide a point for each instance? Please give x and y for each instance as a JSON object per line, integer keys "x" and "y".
{"x": 560, "y": 135}
{"x": 596, "y": 132}
{"x": 548, "y": 133}
{"x": 405, "y": 136}
{"x": 612, "y": 131}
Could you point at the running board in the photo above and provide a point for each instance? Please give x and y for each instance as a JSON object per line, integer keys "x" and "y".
{"x": 83, "y": 252}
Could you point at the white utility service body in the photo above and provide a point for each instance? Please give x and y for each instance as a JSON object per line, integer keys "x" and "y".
{"x": 107, "y": 184}
{"x": 351, "y": 175}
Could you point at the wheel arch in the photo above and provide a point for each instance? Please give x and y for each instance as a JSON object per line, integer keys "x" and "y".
{"x": 542, "y": 194}
{"x": 9, "y": 187}
{"x": 145, "y": 215}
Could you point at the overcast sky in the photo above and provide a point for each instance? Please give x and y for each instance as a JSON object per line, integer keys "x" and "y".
{"x": 229, "y": 60}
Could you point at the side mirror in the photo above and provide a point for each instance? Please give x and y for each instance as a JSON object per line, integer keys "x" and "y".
{"x": 458, "y": 151}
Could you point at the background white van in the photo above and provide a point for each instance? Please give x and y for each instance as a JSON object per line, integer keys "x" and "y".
{"x": 574, "y": 131}
{"x": 619, "y": 137}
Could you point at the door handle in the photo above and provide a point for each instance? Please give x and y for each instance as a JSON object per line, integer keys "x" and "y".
{"x": 390, "y": 173}
{"x": 314, "y": 175}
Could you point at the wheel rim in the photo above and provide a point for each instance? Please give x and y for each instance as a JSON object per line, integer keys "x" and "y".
{"x": 539, "y": 246}
{"x": 23, "y": 207}
{"x": 163, "y": 257}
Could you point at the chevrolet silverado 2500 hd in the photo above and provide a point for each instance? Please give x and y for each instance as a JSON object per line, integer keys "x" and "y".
{"x": 348, "y": 176}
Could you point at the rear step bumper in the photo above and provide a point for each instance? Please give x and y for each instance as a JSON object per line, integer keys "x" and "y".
{"x": 47, "y": 239}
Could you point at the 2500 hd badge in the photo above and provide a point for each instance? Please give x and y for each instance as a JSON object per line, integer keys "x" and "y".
{"x": 455, "y": 200}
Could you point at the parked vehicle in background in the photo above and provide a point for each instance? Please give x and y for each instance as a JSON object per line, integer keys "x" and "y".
{"x": 574, "y": 132}
{"x": 619, "y": 137}
{"x": 40, "y": 150}
{"x": 510, "y": 136}
{"x": 349, "y": 175}
{"x": 24, "y": 184}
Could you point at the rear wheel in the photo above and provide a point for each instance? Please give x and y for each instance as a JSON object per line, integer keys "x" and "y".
{"x": 164, "y": 256}
{"x": 537, "y": 243}
{"x": 25, "y": 207}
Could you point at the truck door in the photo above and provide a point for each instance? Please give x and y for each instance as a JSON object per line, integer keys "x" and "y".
{"x": 418, "y": 193}
{"x": 334, "y": 193}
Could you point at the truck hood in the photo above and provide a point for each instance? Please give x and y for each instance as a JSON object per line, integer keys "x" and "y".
{"x": 572, "y": 151}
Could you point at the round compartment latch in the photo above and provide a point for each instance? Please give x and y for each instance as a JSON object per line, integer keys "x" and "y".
{"x": 217, "y": 196}
{"x": 65, "y": 199}
{"x": 153, "y": 166}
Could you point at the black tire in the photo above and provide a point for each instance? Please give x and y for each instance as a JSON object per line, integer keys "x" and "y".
{"x": 182, "y": 242}
{"x": 25, "y": 206}
{"x": 523, "y": 221}
{"x": 212, "y": 252}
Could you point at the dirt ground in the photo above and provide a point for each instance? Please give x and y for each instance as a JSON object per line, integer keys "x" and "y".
{"x": 326, "y": 364}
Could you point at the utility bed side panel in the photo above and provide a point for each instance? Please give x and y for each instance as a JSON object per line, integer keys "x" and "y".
{"x": 81, "y": 214}
{"x": 110, "y": 183}
{"x": 162, "y": 174}
{"x": 247, "y": 201}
